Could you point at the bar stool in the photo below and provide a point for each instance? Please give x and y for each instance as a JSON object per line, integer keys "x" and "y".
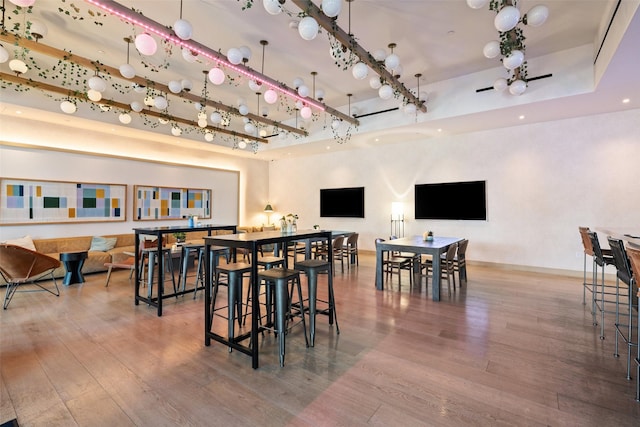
{"x": 601, "y": 260}
{"x": 280, "y": 278}
{"x": 215, "y": 253}
{"x": 267, "y": 262}
{"x": 150, "y": 255}
{"x": 312, "y": 267}
{"x": 235, "y": 273}
{"x": 634, "y": 261}
{"x": 624, "y": 275}
{"x": 588, "y": 251}
{"x": 187, "y": 250}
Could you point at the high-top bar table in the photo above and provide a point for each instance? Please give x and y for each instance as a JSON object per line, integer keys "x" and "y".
{"x": 417, "y": 245}
{"x": 159, "y": 232}
{"x": 251, "y": 241}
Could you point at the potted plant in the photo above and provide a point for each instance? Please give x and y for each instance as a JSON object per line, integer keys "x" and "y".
{"x": 180, "y": 236}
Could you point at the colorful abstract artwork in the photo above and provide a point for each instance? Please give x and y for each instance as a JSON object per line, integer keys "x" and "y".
{"x": 35, "y": 202}
{"x": 154, "y": 203}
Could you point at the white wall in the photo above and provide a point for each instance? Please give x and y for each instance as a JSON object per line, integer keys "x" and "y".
{"x": 543, "y": 181}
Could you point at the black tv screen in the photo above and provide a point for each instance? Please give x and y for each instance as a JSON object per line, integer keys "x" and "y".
{"x": 451, "y": 200}
{"x": 342, "y": 202}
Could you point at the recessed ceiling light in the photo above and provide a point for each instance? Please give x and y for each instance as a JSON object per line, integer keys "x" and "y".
{"x": 377, "y": 139}
{"x": 626, "y": 101}
{"x": 18, "y": 112}
{"x": 100, "y": 51}
{"x": 328, "y": 147}
{"x": 439, "y": 130}
{"x": 521, "y": 117}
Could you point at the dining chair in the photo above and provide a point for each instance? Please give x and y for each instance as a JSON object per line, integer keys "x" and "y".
{"x": 394, "y": 264}
{"x": 460, "y": 261}
{"x": 623, "y": 274}
{"x": 447, "y": 267}
{"x": 350, "y": 249}
{"x": 336, "y": 252}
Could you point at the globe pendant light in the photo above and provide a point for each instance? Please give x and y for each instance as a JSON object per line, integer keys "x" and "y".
{"x": 476, "y": 4}
{"x": 4, "y": 55}
{"x": 94, "y": 95}
{"x": 517, "y": 87}
{"x": 331, "y": 8}
{"x": 500, "y": 84}
{"x": 216, "y": 76}
{"x": 272, "y": 6}
{"x": 536, "y": 16}
{"x": 97, "y": 83}
{"x": 146, "y": 44}
{"x": 215, "y": 118}
{"x": 491, "y": 49}
{"x": 234, "y": 56}
{"x": 136, "y": 106}
{"x": 514, "y": 60}
{"x": 271, "y": 96}
{"x": 23, "y": 3}
{"x": 68, "y": 107}
{"x": 308, "y": 28}
{"x": 18, "y": 66}
{"x": 125, "y": 118}
{"x": 305, "y": 112}
{"x": 385, "y": 92}
{"x": 360, "y": 71}
{"x": 507, "y": 18}
{"x": 175, "y": 86}
{"x": 208, "y": 136}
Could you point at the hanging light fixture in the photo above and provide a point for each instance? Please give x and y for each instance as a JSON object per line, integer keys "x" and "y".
{"x": 202, "y": 115}
{"x": 37, "y": 29}
{"x": 146, "y": 44}
{"x": 182, "y": 27}
{"x": 308, "y": 28}
{"x": 68, "y": 107}
{"x": 392, "y": 61}
{"x": 126, "y": 70}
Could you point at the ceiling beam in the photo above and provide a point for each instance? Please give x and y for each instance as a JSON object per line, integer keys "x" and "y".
{"x": 167, "y": 33}
{"x": 75, "y": 94}
{"x": 350, "y": 42}
{"x": 63, "y": 55}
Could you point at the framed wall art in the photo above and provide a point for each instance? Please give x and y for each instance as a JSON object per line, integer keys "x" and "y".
{"x": 24, "y": 201}
{"x": 156, "y": 203}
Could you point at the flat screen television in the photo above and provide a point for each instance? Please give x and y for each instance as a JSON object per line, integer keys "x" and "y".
{"x": 451, "y": 200}
{"x": 342, "y": 202}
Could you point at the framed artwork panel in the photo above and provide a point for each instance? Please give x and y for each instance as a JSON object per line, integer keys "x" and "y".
{"x": 161, "y": 203}
{"x": 25, "y": 201}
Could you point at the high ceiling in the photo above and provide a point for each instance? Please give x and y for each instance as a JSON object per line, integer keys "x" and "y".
{"x": 440, "y": 40}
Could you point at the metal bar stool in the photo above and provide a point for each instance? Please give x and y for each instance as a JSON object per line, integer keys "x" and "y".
{"x": 280, "y": 278}
{"x": 588, "y": 251}
{"x": 150, "y": 254}
{"x": 624, "y": 274}
{"x": 187, "y": 250}
{"x": 266, "y": 262}
{"x": 312, "y": 267}
{"x": 235, "y": 273}
{"x": 634, "y": 261}
{"x": 215, "y": 252}
{"x": 602, "y": 260}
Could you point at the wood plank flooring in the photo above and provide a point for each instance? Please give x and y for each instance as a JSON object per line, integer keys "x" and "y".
{"x": 510, "y": 348}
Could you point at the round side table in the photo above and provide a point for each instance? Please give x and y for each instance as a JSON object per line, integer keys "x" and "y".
{"x": 73, "y": 262}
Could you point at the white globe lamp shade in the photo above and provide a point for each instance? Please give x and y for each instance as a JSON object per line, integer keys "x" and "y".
{"x": 136, "y": 106}
{"x": 375, "y": 83}
{"x": 18, "y": 67}
{"x": 305, "y": 112}
{"x": 202, "y": 123}
{"x": 500, "y": 85}
{"x": 303, "y": 91}
{"x": 198, "y": 107}
{"x": 246, "y": 52}
{"x": 127, "y": 71}
{"x": 94, "y": 95}
{"x": 38, "y": 29}
{"x": 160, "y": 102}
{"x": 208, "y": 137}
{"x": 215, "y": 118}
{"x": 138, "y": 88}
{"x": 105, "y": 108}
{"x": 254, "y": 85}
{"x": 271, "y": 96}
{"x": 244, "y": 110}
{"x": 507, "y": 18}
{"x": 391, "y": 61}
{"x": 319, "y": 94}
{"x": 491, "y": 49}
{"x": 308, "y": 28}
{"x": 331, "y": 8}
{"x": 360, "y": 71}
{"x": 299, "y": 104}
{"x": 186, "y": 84}
{"x": 335, "y": 124}
{"x": 272, "y": 6}
{"x": 188, "y": 56}
{"x": 537, "y": 15}
{"x": 397, "y": 71}
{"x": 242, "y": 144}
{"x": 216, "y": 76}
{"x": 148, "y": 101}
{"x": 175, "y": 86}
{"x": 68, "y": 107}
{"x": 514, "y": 60}
{"x": 234, "y": 56}
{"x": 183, "y": 29}
{"x": 146, "y": 44}
{"x": 97, "y": 83}
{"x": 4, "y": 55}
{"x": 245, "y": 120}
{"x": 162, "y": 120}
{"x": 410, "y": 109}
{"x": 249, "y": 128}
{"x": 176, "y": 131}
{"x": 379, "y": 55}
{"x": 297, "y": 82}
{"x": 423, "y": 96}
{"x": 125, "y": 118}
{"x": 264, "y": 111}
{"x": 476, "y": 4}
{"x": 385, "y": 92}
{"x": 263, "y": 133}
{"x": 517, "y": 87}
{"x": 23, "y": 3}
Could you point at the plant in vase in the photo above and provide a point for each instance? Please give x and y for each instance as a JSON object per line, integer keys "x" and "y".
{"x": 180, "y": 236}
{"x": 428, "y": 236}
{"x": 288, "y": 223}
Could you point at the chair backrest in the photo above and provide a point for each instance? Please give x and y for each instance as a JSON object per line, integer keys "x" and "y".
{"x": 18, "y": 264}
{"x": 620, "y": 260}
{"x": 595, "y": 244}
{"x": 586, "y": 241}
{"x": 352, "y": 241}
{"x": 337, "y": 245}
{"x": 462, "y": 248}
{"x": 451, "y": 253}
{"x": 634, "y": 261}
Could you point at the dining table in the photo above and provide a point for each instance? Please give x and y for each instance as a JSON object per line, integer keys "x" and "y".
{"x": 159, "y": 233}
{"x": 416, "y": 245}
{"x": 252, "y": 243}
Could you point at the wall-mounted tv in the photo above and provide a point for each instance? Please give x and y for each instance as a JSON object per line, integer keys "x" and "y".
{"x": 451, "y": 200}
{"x": 342, "y": 202}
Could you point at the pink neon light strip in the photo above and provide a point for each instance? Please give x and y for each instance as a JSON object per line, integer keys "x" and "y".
{"x": 161, "y": 32}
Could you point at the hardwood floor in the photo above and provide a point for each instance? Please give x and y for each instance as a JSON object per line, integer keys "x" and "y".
{"x": 508, "y": 349}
